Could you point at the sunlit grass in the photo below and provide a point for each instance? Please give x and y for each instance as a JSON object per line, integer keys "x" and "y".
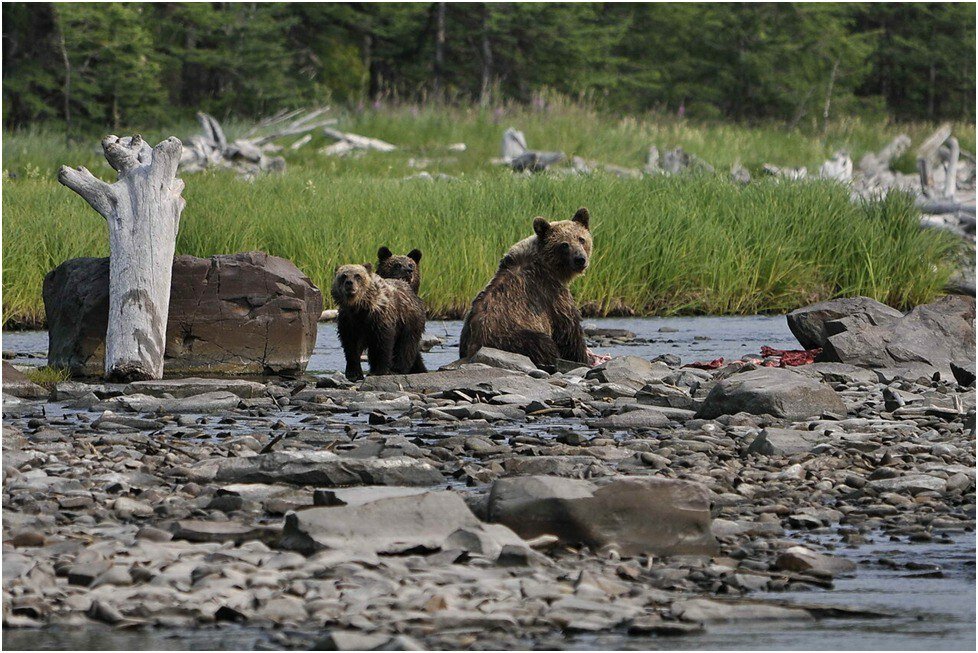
{"x": 662, "y": 245}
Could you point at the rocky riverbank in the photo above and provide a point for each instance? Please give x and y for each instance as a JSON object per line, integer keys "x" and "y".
{"x": 488, "y": 505}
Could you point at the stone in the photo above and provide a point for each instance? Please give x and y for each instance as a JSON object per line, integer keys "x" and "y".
{"x": 964, "y": 372}
{"x": 808, "y": 324}
{"x": 194, "y": 530}
{"x": 909, "y": 483}
{"x": 182, "y": 388}
{"x": 933, "y": 334}
{"x": 784, "y": 442}
{"x": 771, "y": 391}
{"x": 629, "y": 371}
{"x": 393, "y": 524}
{"x": 635, "y": 419}
{"x": 804, "y": 560}
{"x": 350, "y": 640}
{"x": 506, "y": 360}
{"x": 247, "y": 313}
{"x": 710, "y": 611}
{"x": 472, "y": 378}
{"x": 632, "y": 515}
{"x": 208, "y": 402}
{"x": 326, "y": 469}
{"x": 17, "y": 384}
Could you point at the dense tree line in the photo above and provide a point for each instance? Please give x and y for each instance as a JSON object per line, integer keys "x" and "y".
{"x": 123, "y": 63}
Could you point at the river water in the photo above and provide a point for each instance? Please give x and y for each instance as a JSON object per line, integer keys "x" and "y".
{"x": 690, "y": 338}
{"x": 925, "y": 611}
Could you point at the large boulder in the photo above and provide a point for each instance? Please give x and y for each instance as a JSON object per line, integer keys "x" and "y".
{"x": 808, "y": 323}
{"x": 247, "y": 313}
{"x": 934, "y": 334}
{"x": 771, "y": 391}
{"x": 633, "y": 515}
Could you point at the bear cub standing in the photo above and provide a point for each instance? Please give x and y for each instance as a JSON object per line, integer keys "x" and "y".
{"x": 406, "y": 268}
{"x": 383, "y": 316}
{"x": 527, "y": 307}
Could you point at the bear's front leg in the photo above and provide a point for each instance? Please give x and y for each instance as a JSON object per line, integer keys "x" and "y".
{"x": 569, "y": 337}
{"x": 352, "y": 348}
{"x": 380, "y": 352}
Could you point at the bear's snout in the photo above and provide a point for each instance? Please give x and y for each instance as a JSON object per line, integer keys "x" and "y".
{"x": 580, "y": 262}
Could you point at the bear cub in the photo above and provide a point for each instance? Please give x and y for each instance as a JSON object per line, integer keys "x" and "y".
{"x": 527, "y": 307}
{"x": 383, "y": 316}
{"x": 406, "y": 268}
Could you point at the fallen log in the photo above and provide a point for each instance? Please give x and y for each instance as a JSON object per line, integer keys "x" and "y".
{"x": 346, "y": 143}
{"x": 252, "y": 153}
{"x": 839, "y": 167}
{"x": 143, "y": 212}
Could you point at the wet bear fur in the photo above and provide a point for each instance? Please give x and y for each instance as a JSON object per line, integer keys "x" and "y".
{"x": 383, "y": 316}
{"x": 406, "y": 268}
{"x": 527, "y": 307}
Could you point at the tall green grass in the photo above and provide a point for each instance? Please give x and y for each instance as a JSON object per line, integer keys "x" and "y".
{"x": 662, "y": 245}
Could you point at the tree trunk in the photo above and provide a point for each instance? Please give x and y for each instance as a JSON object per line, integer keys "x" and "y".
{"x": 486, "y": 58}
{"x": 67, "y": 91}
{"x": 828, "y": 98}
{"x": 143, "y": 211}
{"x": 439, "y": 47}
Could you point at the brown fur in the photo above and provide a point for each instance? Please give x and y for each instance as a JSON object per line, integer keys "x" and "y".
{"x": 527, "y": 307}
{"x": 406, "y": 268}
{"x": 383, "y": 316}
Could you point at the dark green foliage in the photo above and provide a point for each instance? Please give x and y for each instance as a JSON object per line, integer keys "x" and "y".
{"x": 108, "y": 65}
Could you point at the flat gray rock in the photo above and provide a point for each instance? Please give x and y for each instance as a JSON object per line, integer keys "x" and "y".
{"x": 189, "y": 387}
{"x": 632, "y": 515}
{"x": 327, "y": 470}
{"x": 771, "y": 391}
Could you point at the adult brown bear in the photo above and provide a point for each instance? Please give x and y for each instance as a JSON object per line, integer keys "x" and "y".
{"x": 527, "y": 307}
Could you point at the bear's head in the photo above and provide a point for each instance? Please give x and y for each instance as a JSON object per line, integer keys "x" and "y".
{"x": 352, "y": 284}
{"x": 565, "y": 246}
{"x": 406, "y": 268}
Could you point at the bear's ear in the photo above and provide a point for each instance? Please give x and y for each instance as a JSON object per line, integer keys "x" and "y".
{"x": 583, "y": 218}
{"x": 415, "y": 255}
{"x": 541, "y": 227}
{"x": 383, "y": 254}
{"x": 369, "y": 267}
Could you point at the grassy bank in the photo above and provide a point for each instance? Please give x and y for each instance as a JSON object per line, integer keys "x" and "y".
{"x": 662, "y": 245}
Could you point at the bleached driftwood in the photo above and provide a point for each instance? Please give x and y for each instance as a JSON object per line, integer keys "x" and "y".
{"x": 793, "y": 174}
{"x": 839, "y": 167}
{"x": 346, "y": 143}
{"x": 674, "y": 162}
{"x": 520, "y": 158}
{"x": 873, "y": 163}
{"x": 951, "y": 169}
{"x": 143, "y": 211}
{"x": 253, "y": 152}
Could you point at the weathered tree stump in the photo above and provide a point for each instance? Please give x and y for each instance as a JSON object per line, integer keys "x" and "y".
{"x": 143, "y": 211}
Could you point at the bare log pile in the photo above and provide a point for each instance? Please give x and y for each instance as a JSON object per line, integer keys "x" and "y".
{"x": 520, "y": 158}
{"x": 142, "y": 210}
{"x": 256, "y": 151}
{"x": 347, "y": 143}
